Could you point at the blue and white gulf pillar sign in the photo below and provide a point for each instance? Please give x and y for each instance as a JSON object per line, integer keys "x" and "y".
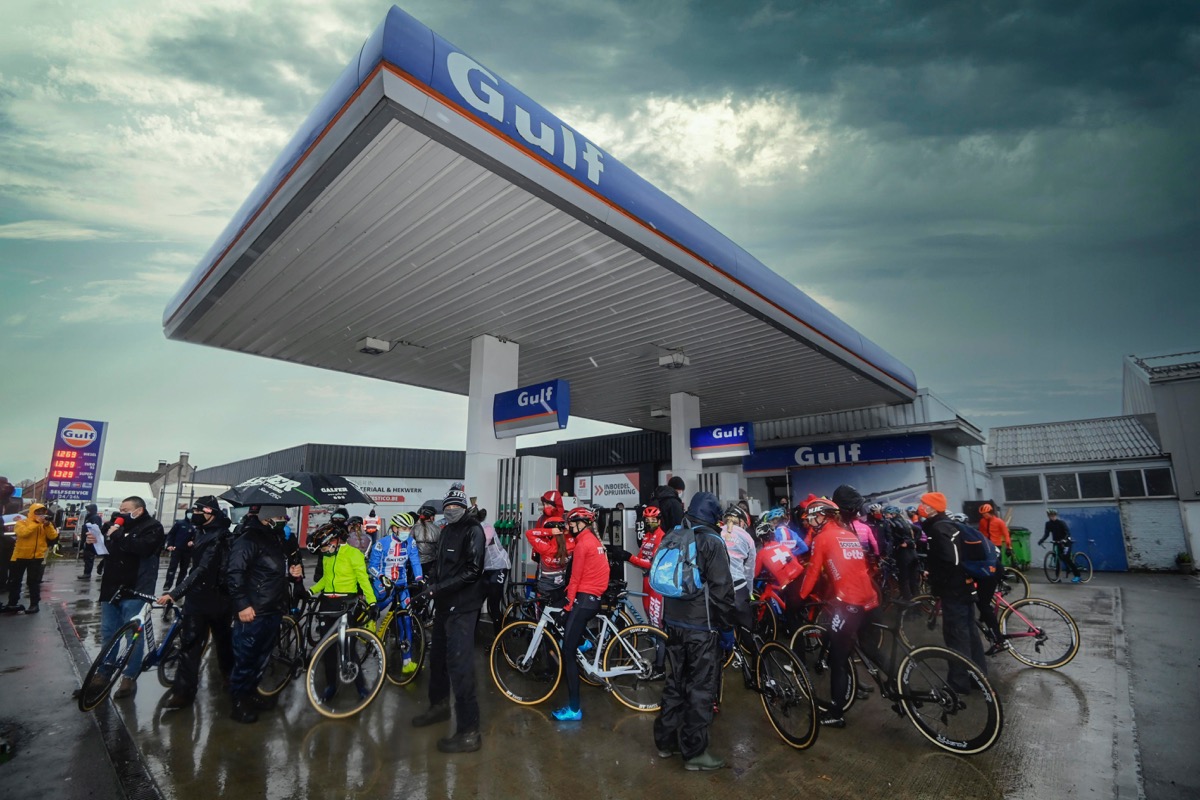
{"x": 75, "y": 466}
{"x": 723, "y": 441}
{"x": 531, "y": 409}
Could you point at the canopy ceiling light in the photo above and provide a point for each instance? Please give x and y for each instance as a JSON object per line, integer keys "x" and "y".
{"x": 373, "y": 347}
{"x": 674, "y": 360}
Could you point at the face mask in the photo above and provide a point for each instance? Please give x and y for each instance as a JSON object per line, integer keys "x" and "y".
{"x": 454, "y": 513}
{"x": 277, "y": 525}
{"x": 198, "y": 519}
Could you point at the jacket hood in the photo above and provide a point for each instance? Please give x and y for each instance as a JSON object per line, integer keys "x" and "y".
{"x": 665, "y": 492}
{"x": 33, "y": 509}
{"x": 554, "y": 497}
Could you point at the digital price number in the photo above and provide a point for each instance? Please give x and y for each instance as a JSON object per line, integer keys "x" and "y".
{"x": 65, "y": 464}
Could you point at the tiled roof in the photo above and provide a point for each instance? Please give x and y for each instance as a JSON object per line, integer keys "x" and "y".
{"x": 1108, "y": 439}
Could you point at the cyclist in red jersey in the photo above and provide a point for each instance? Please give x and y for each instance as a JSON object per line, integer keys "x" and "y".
{"x": 553, "y": 548}
{"x": 589, "y": 579}
{"x": 777, "y": 559}
{"x": 552, "y": 506}
{"x": 838, "y": 554}
{"x": 645, "y": 555}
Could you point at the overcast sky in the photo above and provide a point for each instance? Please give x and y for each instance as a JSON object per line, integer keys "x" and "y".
{"x": 1004, "y": 195}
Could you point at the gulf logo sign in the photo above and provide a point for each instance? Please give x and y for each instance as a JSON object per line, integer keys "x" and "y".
{"x": 78, "y": 434}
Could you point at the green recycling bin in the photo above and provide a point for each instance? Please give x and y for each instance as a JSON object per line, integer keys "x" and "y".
{"x": 1020, "y": 546}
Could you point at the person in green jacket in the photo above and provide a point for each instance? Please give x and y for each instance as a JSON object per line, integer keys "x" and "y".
{"x": 343, "y": 579}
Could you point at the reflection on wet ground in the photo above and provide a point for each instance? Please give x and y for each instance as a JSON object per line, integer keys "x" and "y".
{"x": 1058, "y": 739}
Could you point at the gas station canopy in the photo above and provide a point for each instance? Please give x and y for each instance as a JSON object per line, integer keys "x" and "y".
{"x": 426, "y": 202}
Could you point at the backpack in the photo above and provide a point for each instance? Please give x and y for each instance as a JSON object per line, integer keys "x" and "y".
{"x": 675, "y": 572}
{"x": 984, "y": 568}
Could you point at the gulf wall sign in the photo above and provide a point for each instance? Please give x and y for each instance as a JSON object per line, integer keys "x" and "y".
{"x": 531, "y": 409}
{"x": 75, "y": 462}
{"x": 829, "y": 454}
{"x": 723, "y": 441}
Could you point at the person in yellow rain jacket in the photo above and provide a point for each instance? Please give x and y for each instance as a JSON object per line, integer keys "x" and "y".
{"x": 34, "y": 534}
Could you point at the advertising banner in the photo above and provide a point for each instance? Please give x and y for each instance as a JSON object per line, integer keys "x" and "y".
{"x": 391, "y": 496}
{"x": 608, "y": 490}
{"x": 899, "y": 483}
{"x": 75, "y": 462}
{"x": 531, "y": 409}
{"x": 723, "y": 441}
{"x": 830, "y": 454}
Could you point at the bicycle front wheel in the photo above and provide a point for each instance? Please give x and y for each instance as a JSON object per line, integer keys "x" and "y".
{"x": 1083, "y": 563}
{"x": 1040, "y": 633}
{"x": 639, "y": 653}
{"x": 765, "y": 623}
{"x": 404, "y": 643}
{"x": 810, "y": 644}
{"x": 284, "y": 657}
{"x": 526, "y": 674}
{"x": 1013, "y": 585}
{"x": 1050, "y": 567}
{"x": 920, "y": 623}
{"x": 345, "y": 675}
{"x": 108, "y": 666}
{"x": 168, "y": 665}
{"x": 787, "y": 696}
{"x": 949, "y": 700}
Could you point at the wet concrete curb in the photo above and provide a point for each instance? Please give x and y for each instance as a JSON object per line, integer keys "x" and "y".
{"x": 1127, "y": 781}
{"x": 123, "y": 753}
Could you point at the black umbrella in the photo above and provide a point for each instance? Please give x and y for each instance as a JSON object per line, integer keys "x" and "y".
{"x": 296, "y": 489}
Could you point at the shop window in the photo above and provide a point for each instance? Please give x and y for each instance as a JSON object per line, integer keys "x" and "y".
{"x": 1062, "y": 486}
{"x": 1130, "y": 483}
{"x": 1022, "y": 488}
{"x": 1095, "y": 484}
{"x": 1159, "y": 482}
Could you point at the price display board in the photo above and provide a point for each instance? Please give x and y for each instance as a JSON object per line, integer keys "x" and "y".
{"x": 75, "y": 462}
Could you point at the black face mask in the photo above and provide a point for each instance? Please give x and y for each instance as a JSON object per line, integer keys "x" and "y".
{"x": 198, "y": 519}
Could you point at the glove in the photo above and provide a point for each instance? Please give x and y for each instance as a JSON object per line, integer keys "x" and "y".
{"x": 1008, "y": 552}
{"x": 728, "y": 641}
{"x": 373, "y": 611}
{"x": 418, "y": 590}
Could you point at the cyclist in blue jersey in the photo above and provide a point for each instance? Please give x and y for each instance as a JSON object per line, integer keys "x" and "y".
{"x": 390, "y": 558}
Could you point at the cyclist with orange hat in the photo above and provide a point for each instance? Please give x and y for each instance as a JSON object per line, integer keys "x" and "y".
{"x": 995, "y": 528}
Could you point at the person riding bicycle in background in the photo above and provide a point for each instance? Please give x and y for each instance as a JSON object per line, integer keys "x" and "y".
{"x": 777, "y": 561}
{"x": 425, "y": 533}
{"x": 651, "y": 537}
{"x": 838, "y": 555}
{"x": 589, "y": 579}
{"x": 1060, "y": 533}
{"x": 553, "y": 548}
{"x": 902, "y": 538}
{"x": 996, "y": 529}
{"x": 777, "y": 518}
{"x": 343, "y": 577}
{"x": 850, "y": 505}
{"x": 391, "y": 558}
{"x": 741, "y": 548}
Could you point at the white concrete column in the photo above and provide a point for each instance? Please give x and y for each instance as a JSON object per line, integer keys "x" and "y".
{"x": 493, "y": 370}
{"x": 685, "y": 415}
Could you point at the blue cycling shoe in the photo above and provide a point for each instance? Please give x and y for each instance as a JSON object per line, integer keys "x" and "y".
{"x": 565, "y": 714}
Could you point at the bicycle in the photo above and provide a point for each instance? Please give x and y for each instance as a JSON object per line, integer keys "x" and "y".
{"x": 118, "y": 650}
{"x": 347, "y": 656}
{"x": 1013, "y": 584}
{"x": 966, "y": 718}
{"x": 1036, "y": 632}
{"x": 526, "y": 663}
{"x": 1054, "y": 569}
{"x": 403, "y": 637}
{"x": 783, "y": 685}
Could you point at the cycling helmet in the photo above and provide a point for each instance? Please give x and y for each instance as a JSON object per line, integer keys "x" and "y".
{"x": 553, "y": 523}
{"x": 910, "y": 510}
{"x": 958, "y": 517}
{"x": 735, "y": 510}
{"x": 875, "y": 508}
{"x": 651, "y": 512}
{"x": 892, "y": 510}
{"x": 355, "y": 521}
{"x": 323, "y": 536}
{"x": 581, "y": 514}
{"x": 426, "y": 512}
{"x": 339, "y": 515}
{"x": 764, "y": 530}
{"x": 403, "y": 520}
{"x": 985, "y": 508}
{"x": 822, "y": 505}
{"x": 772, "y": 515}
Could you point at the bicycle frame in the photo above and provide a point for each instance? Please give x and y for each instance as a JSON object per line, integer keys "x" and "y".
{"x": 591, "y": 668}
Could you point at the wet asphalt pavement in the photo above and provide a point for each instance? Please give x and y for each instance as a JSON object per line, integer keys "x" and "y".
{"x": 1118, "y": 721}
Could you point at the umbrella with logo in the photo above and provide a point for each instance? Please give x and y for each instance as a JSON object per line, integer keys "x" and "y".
{"x": 296, "y": 489}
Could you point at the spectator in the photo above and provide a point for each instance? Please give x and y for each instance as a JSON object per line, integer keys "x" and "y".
{"x": 458, "y": 593}
{"x": 134, "y": 539}
{"x": 33, "y": 535}
{"x": 669, "y": 500}
{"x": 496, "y": 565}
{"x": 698, "y": 629}
{"x": 180, "y": 540}
{"x": 207, "y": 611}
{"x": 92, "y": 517}
{"x": 426, "y": 533}
{"x": 258, "y": 589}
{"x": 7, "y": 543}
{"x": 953, "y": 585}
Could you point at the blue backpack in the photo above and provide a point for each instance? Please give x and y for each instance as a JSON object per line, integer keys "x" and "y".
{"x": 984, "y": 568}
{"x": 674, "y": 572}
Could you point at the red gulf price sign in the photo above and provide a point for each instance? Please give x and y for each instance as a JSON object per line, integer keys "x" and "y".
{"x": 75, "y": 461}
